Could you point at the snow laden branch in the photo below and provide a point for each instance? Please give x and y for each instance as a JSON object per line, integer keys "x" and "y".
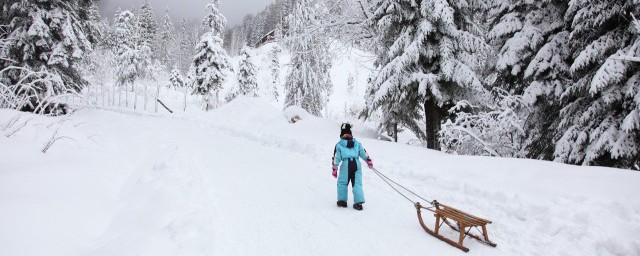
{"x": 630, "y": 56}
{"x": 39, "y": 91}
{"x": 495, "y": 129}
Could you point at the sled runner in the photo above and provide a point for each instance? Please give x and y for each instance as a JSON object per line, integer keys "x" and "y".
{"x": 463, "y": 223}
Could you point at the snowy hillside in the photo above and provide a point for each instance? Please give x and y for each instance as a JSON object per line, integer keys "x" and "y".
{"x": 241, "y": 180}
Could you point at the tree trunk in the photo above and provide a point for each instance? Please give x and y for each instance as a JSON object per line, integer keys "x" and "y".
{"x": 185, "y": 99}
{"x": 432, "y": 118}
{"x": 395, "y": 132}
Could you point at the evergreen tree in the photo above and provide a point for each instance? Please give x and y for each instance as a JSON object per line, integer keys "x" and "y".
{"x": 519, "y": 29}
{"x": 166, "y": 48}
{"x": 600, "y": 122}
{"x": 211, "y": 60}
{"x": 427, "y": 61}
{"x": 186, "y": 47}
{"x": 533, "y": 60}
{"x": 214, "y": 19}
{"x": 308, "y": 83}
{"x": 147, "y": 24}
{"x": 274, "y": 55}
{"x": 99, "y": 27}
{"x": 247, "y": 83}
{"x": 128, "y": 54}
{"x": 49, "y": 37}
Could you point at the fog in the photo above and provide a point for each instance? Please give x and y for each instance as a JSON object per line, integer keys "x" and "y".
{"x": 234, "y": 10}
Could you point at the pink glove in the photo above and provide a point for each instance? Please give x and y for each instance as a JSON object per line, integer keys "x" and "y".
{"x": 369, "y": 163}
{"x": 335, "y": 172}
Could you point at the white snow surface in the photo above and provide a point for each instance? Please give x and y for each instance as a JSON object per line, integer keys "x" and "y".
{"x": 241, "y": 180}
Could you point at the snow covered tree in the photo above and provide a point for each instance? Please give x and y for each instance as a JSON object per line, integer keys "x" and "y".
{"x": 147, "y": 25}
{"x": 533, "y": 60}
{"x": 175, "y": 79}
{"x": 274, "y": 66}
{"x": 350, "y": 84}
{"x": 99, "y": 28}
{"x": 600, "y": 120}
{"x": 308, "y": 83}
{"x": 43, "y": 43}
{"x": 427, "y": 59}
{"x": 131, "y": 58}
{"x": 146, "y": 64}
{"x": 185, "y": 51}
{"x": 211, "y": 60}
{"x": 247, "y": 81}
{"x": 214, "y": 18}
{"x": 166, "y": 45}
{"x": 519, "y": 29}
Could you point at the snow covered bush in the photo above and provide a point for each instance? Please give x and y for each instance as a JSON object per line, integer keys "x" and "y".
{"x": 175, "y": 79}
{"x": 295, "y": 114}
{"x": 493, "y": 129}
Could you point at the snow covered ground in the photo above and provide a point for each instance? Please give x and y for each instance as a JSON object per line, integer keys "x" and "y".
{"x": 241, "y": 180}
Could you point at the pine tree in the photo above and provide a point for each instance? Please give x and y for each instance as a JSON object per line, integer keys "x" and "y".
{"x": 308, "y": 83}
{"x": 533, "y": 60}
{"x": 186, "y": 47}
{"x": 128, "y": 55}
{"x": 166, "y": 46}
{"x": 147, "y": 24}
{"x": 519, "y": 30}
{"x": 100, "y": 27}
{"x": 43, "y": 44}
{"x": 600, "y": 120}
{"x": 214, "y": 19}
{"x": 247, "y": 83}
{"x": 211, "y": 60}
{"x": 274, "y": 55}
{"x": 427, "y": 61}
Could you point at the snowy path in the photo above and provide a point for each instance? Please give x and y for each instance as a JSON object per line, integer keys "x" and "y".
{"x": 242, "y": 181}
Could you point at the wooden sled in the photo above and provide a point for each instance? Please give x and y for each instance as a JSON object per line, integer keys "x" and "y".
{"x": 464, "y": 223}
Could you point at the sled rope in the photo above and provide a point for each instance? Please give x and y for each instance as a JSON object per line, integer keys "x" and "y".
{"x": 389, "y": 182}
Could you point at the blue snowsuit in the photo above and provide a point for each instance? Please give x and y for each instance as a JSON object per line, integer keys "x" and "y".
{"x": 347, "y": 152}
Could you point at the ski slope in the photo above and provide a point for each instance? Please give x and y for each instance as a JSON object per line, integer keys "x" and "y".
{"x": 241, "y": 180}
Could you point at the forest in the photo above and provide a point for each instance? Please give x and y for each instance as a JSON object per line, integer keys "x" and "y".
{"x": 555, "y": 80}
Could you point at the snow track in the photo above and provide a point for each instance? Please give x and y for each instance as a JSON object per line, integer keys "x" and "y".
{"x": 243, "y": 181}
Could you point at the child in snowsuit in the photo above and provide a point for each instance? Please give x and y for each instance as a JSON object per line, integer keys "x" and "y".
{"x": 346, "y": 154}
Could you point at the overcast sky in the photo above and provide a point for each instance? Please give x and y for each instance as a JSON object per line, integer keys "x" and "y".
{"x": 234, "y": 10}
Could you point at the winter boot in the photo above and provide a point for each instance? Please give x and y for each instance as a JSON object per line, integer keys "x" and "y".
{"x": 342, "y": 203}
{"x": 358, "y": 206}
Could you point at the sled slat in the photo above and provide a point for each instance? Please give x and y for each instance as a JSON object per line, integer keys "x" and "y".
{"x": 464, "y": 224}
